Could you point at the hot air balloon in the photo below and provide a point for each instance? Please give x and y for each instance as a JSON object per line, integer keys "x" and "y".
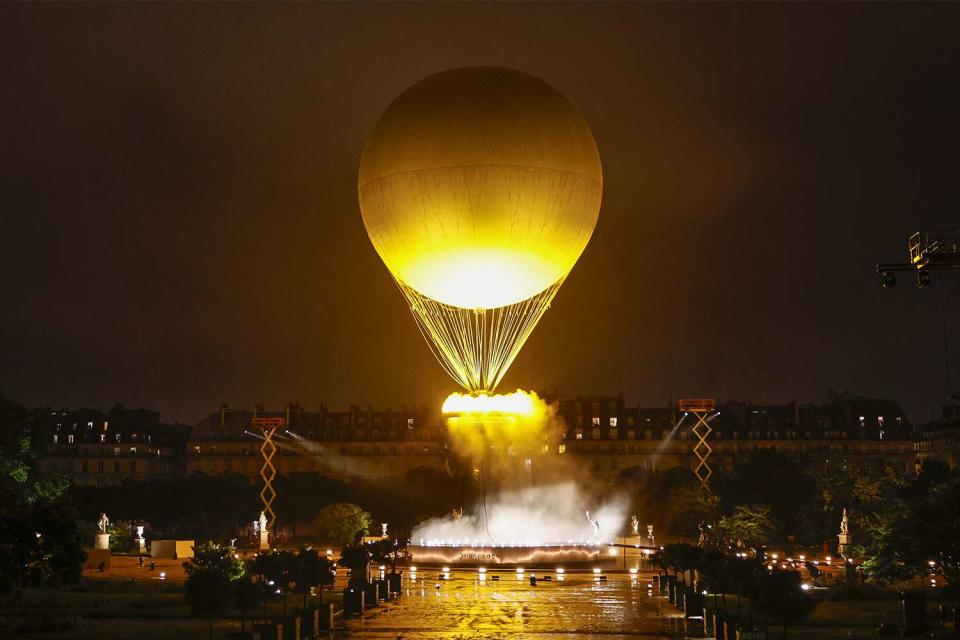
{"x": 479, "y": 188}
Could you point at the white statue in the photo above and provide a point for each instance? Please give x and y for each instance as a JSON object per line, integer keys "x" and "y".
{"x": 104, "y": 523}
{"x": 635, "y": 524}
{"x": 383, "y": 526}
{"x": 457, "y": 514}
{"x": 844, "y": 524}
{"x": 260, "y": 526}
{"x": 596, "y": 525}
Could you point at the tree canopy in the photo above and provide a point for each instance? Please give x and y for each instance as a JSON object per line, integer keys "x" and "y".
{"x": 40, "y": 540}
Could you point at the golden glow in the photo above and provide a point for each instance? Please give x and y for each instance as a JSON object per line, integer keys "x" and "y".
{"x": 480, "y": 278}
{"x": 518, "y": 403}
{"x": 516, "y": 423}
{"x": 479, "y": 188}
{"x": 477, "y": 346}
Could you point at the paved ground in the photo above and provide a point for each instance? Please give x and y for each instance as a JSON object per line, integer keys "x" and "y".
{"x": 579, "y": 606}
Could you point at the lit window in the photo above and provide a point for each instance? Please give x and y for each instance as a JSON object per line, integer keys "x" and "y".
{"x": 103, "y": 437}
{"x": 880, "y": 421}
{"x": 863, "y": 421}
{"x": 116, "y": 451}
{"x": 55, "y": 439}
{"x": 579, "y": 435}
{"x": 70, "y": 439}
{"x": 613, "y": 422}
{"x": 89, "y": 425}
{"x": 133, "y": 450}
{"x": 562, "y": 448}
{"x": 118, "y": 437}
{"x": 881, "y": 434}
{"x": 409, "y": 423}
{"x": 596, "y": 421}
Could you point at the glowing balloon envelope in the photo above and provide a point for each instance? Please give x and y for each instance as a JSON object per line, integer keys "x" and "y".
{"x": 479, "y": 188}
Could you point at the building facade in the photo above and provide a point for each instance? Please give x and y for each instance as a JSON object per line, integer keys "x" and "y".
{"x": 603, "y": 434}
{"x": 940, "y": 439}
{"x": 340, "y": 444}
{"x": 95, "y": 447}
{"x": 610, "y": 437}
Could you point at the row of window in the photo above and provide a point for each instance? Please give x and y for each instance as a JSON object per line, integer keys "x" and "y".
{"x": 614, "y": 434}
{"x": 103, "y": 467}
{"x": 356, "y": 450}
{"x": 101, "y": 451}
{"x": 71, "y": 439}
{"x": 613, "y": 421}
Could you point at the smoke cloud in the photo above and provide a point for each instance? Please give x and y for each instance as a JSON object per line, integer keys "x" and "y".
{"x": 530, "y": 493}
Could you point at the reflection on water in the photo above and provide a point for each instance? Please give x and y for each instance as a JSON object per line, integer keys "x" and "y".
{"x": 464, "y": 606}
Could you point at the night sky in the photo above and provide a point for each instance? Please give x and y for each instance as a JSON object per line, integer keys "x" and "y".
{"x": 180, "y": 223}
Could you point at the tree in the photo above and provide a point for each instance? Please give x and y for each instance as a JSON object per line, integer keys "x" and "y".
{"x": 779, "y": 595}
{"x": 388, "y": 550}
{"x": 211, "y": 572}
{"x": 863, "y": 488}
{"x": 748, "y": 525}
{"x": 339, "y": 523}
{"x": 776, "y": 481}
{"x": 742, "y": 575}
{"x": 356, "y": 557}
{"x": 301, "y": 495}
{"x": 247, "y": 594}
{"x": 715, "y": 573}
{"x": 311, "y": 570}
{"x": 39, "y": 536}
{"x": 688, "y": 507}
{"x": 681, "y": 558}
{"x": 925, "y": 529}
{"x": 275, "y": 571}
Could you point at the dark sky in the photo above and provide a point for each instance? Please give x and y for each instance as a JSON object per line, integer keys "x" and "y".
{"x": 180, "y": 223}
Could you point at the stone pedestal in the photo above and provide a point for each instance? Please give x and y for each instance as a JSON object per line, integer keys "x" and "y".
{"x": 142, "y": 545}
{"x": 845, "y": 544}
{"x": 103, "y": 541}
{"x": 264, "y": 540}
